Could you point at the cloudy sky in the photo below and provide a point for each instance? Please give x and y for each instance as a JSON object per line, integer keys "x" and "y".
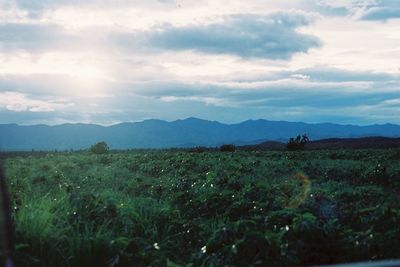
{"x": 99, "y": 61}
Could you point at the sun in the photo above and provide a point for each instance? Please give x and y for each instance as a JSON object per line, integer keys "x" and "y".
{"x": 76, "y": 74}
{"x": 88, "y": 80}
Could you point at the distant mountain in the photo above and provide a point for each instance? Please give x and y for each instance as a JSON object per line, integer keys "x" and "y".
{"x": 180, "y": 133}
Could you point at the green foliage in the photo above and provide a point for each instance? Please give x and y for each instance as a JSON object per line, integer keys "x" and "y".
{"x": 175, "y": 208}
{"x": 99, "y": 148}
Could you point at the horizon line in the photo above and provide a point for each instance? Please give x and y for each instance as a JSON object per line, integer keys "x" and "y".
{"x": 194, "y": 118}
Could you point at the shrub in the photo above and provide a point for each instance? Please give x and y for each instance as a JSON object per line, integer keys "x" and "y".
{"x": 99, "y": 148}
{"x": 227, "y": 148}
{"x": 199, "y": 149}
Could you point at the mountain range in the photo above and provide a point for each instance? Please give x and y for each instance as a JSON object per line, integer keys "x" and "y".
{"x": 189, "y": 132}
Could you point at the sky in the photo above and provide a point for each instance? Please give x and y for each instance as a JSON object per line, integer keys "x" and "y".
{"x": 106, "y": 62}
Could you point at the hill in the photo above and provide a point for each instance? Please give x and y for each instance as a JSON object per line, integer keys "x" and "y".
{"x": 373, "y": 142}
{"x": 355, "y": 143}
{"x": 180, "y": 133}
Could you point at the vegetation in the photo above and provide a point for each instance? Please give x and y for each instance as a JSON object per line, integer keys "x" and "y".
{"x": 227, "y": 148}
{"x": 175, "y": 208}
{"x": 297, "y": 143}
{"x": 99, "y": 148}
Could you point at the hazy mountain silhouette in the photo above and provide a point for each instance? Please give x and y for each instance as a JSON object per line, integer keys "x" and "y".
{"x": 179, "y": 133}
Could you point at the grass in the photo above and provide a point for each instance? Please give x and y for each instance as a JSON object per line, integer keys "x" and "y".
{"x": 176, "y": 208}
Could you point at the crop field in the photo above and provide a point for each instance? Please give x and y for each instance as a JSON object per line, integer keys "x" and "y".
{"x": 181, "y": 208}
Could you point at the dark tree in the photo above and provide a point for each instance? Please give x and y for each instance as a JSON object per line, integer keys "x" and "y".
{"x": 99, "y": 148}
{"x": 297, "y": 143}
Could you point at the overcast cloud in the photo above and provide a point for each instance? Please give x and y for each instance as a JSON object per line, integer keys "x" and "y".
{"x": 106, "y": 62}
{"x": 273, "y": 36}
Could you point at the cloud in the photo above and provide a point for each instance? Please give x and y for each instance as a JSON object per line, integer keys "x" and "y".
{"x": 35, "y": 8}
{"x": 348, "y": 4}
{"x": 319, "y": 94}
{"x": 314, "y": 95}
{"x": 326, "y": 74}
{"x": 382, "y": 13}
{"x": 33, "y": 37}
{"x": 41, "y": 4}
{"x": 18, "y": 102}
{"x": 272, "y": 36}
{"x": 209, "y": 101}
{"x": 367, "y": 9}
{"x": 275, "y": 36}
{"x": 227, "y": 60}
{"x": 286, "y": 99}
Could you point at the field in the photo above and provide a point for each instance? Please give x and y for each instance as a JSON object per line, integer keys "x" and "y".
{"x": 177, "y": 208}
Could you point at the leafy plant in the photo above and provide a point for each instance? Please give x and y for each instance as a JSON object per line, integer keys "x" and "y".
{"x": 99, "y": 148}
{"x": 179, "y": 208}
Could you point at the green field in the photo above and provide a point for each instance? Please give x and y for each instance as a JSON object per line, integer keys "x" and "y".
{"x": 176, "y": 208}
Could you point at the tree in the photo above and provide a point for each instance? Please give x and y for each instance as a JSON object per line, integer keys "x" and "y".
{"x": 297, "y": 143}
{"x": 99, "y": 148}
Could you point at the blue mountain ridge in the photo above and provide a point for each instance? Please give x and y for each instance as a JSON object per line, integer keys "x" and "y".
{"x": 179, "y": 133}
